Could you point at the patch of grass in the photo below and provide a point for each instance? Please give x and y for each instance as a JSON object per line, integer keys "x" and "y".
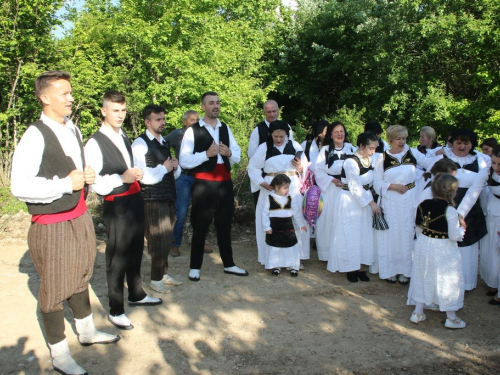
{"x": 9, "y": 204}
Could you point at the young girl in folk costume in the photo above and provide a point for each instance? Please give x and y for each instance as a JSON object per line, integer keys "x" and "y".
{"x": 490, "y": 246}
{"x": 281, "y": 216}
{"x": 424, "y": 184}
{"x": 437, "y": 274}
{"x": 327, "y": 174}
{"x": 353, "y": 243}
{"x": 277, "y": 156}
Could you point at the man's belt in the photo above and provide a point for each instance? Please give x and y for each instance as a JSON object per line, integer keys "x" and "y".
{"x": 186, "y": 172}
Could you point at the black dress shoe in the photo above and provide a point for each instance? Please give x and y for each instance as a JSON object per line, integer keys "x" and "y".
{"x": 352, "y": 277}
{"x": 492, "y": 293}
{"x": 363, "y": 276}
{"x": 494, "y": 301}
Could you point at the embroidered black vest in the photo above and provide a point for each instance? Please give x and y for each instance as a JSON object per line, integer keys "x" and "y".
{"x": 203, "y": 140}
{"x": 431, "y": 218}
{"x": 157, "y": 154}
{"x": 112, "y": 159}
{"x": 392, "y": 162}
{"x": 273, "y": 151}
{"x": 362, "y": 169}
{"x": 55, "y": 163}
{"x": 332, "y": 157}
{"x": 273, "y": 205}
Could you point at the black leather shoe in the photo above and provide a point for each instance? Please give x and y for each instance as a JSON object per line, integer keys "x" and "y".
{"x": 363, "y": 276}
{"x": 352, "y": 277}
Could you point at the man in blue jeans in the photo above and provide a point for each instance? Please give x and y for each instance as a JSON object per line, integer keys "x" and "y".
{"x": 183, "y": 184}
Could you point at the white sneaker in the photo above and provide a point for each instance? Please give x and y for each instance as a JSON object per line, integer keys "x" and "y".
{"x": 159, "y": 286}
{"x": 236, "y": 271}
{"x": 169, "y": 280}
{"x": 455, "y": 323}
{"x": 416, "y": 318}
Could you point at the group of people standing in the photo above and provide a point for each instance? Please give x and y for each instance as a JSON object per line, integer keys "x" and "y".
{"x": 52, "y": 171}
{"x": 404, "y": 186}
{"x": 147, "y": 192}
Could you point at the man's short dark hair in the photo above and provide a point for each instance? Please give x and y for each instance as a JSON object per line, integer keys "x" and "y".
{"x": 45, "y": 79}
{"x": 113, "y": 96}
{"x": 208, "y": 93}
{"x": 152, "y": 108}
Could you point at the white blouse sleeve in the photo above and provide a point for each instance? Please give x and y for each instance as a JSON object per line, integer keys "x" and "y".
{"x": 323, "y": 179}
{"x": 455, "y": 231}
{"x": 256, "y": 164}
{"x": 379, "y": 185}
{"x": 423, "y": 161}
{"x": 266, "y": 223}
{"x": 361, "y": 196}
{"x": 475, "y": 190}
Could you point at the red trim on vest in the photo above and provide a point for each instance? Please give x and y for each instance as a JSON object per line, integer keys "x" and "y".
{"x": 134, "y": 188}
{"x": 219, "y": 173}
{"x": 59, "y": 217}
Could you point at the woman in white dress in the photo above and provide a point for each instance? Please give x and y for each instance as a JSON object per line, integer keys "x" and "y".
{"x": 327, "y": 175}
{"x": 490, "y": 244}
{"x": 353, "y": 241}
{"x": 436, "y": 276}
{"x": 277, "y": 156}
{"x": 473, "y": 170}
{"x": 394, "y": 181}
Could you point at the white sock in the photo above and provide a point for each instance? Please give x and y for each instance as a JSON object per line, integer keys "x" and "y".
{"x": 419, "y": 308}
{"x": 452, "y": 315}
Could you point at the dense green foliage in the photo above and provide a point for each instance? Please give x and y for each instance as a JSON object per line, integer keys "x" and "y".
{"x": 410, "y": 62}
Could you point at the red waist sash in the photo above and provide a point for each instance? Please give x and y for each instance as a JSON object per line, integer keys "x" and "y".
{"x": 219, "y": 173}
{"x": 134, "y": 188}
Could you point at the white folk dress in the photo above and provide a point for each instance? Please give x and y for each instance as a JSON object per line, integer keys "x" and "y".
{"x": 352, "y": 242}
{"x": 277, "y": 257}
{"x": 490, "y": 244}
{"x": 275, "y": 164}
{"x": 474, "y": 183}
{"x": 394, "y": 246}
{"x": 436, "y": 276}
{"x": 324, "y": 174}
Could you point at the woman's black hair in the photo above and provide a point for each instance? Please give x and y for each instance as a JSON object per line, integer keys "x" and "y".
{"x": 366, "y": 138}
{"x": 465, "y": 135}
{"x": 328, "y": 141}
{"x": 490, "y": 142}
{"x": 280, "y": 180}
{"x": 496, "y": 151}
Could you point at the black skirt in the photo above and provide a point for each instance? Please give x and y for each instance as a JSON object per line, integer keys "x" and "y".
{"x": 283, "y": 232}
{"x": 476, "y": 223}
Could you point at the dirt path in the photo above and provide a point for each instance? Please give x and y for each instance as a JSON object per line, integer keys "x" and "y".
{"x": 315, "y": 324}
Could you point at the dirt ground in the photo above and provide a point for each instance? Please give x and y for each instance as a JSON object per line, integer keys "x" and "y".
{"x": 318, "y": 323}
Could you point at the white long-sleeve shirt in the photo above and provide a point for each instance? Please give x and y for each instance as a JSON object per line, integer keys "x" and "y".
{"x": 189, "y": 160}
{"x": 28, "y": 158}
{"x": 103, "y": 185}
{"x": 253, "y": 143}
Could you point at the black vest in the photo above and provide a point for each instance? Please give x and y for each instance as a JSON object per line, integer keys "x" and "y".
{"x": 492, "y": 182}
{"x": 273, "y": 151}
{"x": 331, "y": 158}
{"x": 157, "y": 154}
{"x": 380, "y": 147}
{"x": 55, "y": 163}
{"x": 431, "y": 218}
{"x": 263, "y": 131}
{"x": 112, "y": 159}
{"x": 391, "y": 162}
{"x": 424, "y": 149}
{"x": 472, "y": 167}
{"x": 362, "y": 169}
{"x": 273, "y": 205}
{"x": 203, "y": 140}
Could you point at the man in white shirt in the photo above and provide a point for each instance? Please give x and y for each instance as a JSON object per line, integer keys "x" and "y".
{"x": 152, "y": 155}
{"x": 49, "y": 174}
{"x": 260, "y": 134}
{"x": 109, "y": 152}
{"x": 209, "y": 149}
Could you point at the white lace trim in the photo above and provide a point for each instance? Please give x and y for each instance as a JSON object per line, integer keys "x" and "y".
{"x": 461, "y": 160}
